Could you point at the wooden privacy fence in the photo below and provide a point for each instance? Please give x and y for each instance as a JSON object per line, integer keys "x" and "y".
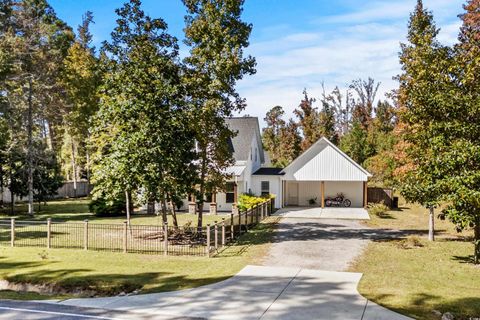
{"x": 154, "y": 239}
{"x": 380, "y": 195}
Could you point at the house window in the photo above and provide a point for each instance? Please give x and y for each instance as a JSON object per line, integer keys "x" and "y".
{"x": 265, "y": 188}
{"x": 230, "y": 192}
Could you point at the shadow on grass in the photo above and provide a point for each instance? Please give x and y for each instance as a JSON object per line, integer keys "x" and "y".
{"x": 262, "y": 233}
{"x": 467, "y": 259}
{"x": 77, "y": 282}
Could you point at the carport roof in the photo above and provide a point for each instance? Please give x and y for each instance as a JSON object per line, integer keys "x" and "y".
{"x": 324, "y": 161}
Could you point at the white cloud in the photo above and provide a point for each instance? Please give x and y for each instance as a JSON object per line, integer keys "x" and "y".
{"x": 354, "y": 45}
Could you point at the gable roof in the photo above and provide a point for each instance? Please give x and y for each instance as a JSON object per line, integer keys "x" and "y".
{"x": 324, "y": 161}
{"x": 246, "y": 128}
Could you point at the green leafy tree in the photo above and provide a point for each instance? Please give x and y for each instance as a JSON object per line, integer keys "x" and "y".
{"x": 81, "y": 78}
{"x": 423, "y": 102}
{"x": 356, "y": 145}
{"x": 35, "y": 42}
{"x": 290, "y": 143}
{"x": 216, "y": 37}
{"x": 366, "y": 92}
{"x": 307, "y": 116}
{"x": 327, "y": 116}
{"x": 139, "y": 129}
{"x": 271, "y": 136}
{"x": 459, "y": 160}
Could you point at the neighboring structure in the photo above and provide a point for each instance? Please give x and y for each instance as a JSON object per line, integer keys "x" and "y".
{"x": 321, "y": 171}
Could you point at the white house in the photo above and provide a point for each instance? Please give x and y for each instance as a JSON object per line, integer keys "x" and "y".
{"x": 321, "y": 172}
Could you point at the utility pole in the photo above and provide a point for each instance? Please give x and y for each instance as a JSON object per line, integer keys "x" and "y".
{"x": 30, "y": 148}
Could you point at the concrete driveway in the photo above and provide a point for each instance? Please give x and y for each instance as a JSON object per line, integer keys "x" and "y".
{"x": 325, "y": 244}
{"x": 258, "y": 292}
{"x": 324, "y": 213}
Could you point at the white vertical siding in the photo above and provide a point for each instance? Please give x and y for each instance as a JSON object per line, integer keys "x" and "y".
{"x": 275, "y": 187}
{"x": 323, "y": 162}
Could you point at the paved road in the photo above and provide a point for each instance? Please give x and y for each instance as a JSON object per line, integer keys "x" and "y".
{"x": 24, "y": 310}
{"x": 259, "y": 292}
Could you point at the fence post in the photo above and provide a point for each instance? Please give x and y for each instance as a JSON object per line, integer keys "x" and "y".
{"x": 232, "y": 227}
{"x": 207, "y": 248}
{"x": 246, "y": 220}
{"x": 239, "y": 222}
{"x": 85, "y": 234}
{"x": 257, "y": 209}
{"x": 165, "y": 238}
{"x": 125, "y": 235}
{"x": 49, "y": 233}
{"x": 223, "y": 232}
{"x": 12, "y": 232}
{"x": 216, "y": 235}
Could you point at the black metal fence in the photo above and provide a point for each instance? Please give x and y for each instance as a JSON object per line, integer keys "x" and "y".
{"x": 154, "y": 239}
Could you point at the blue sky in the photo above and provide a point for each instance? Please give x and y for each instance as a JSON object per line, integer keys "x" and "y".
{"x": 299, "y": 44}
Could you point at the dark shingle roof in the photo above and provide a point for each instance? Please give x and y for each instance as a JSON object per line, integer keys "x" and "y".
{"x": 246, "y": 128}
{"x": 269, "y": 172}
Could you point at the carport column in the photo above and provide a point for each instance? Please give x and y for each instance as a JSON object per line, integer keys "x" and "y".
{"x": 323, "y": 193}
{"x": 365, "y": 194}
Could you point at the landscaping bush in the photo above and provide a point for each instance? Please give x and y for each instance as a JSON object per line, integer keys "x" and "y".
{"x": 378, "y": 209}
{"x": 246, "y": 201}
{"x": 108, "y": 208}
{"x": 410, "y": 243}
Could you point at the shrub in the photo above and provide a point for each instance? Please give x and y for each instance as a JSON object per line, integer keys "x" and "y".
{"x": 410, "y": 243}
{"x": 108, "y": 208}
{"x": 378, "y": 209}
{"x": 246, "y": 201}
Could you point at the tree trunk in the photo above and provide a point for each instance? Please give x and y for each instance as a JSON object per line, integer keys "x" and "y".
{"x": 12, "y": 201}
{"x": 74, "y": 169}
{"x": 30, "y": 149}
{"x": 201, "y": 200}
{"x": 127, "y": 206}
{"x": 431, "y": 225}
{"x": 174, "y": 212}
{"x": 164, "y": 208}
{"x": 87, "y": 153}
{"x": 476, "y": 256}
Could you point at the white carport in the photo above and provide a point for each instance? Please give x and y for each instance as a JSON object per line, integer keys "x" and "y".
{"x": 323, "y": 171}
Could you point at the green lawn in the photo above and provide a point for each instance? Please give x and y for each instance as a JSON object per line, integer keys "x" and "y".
{"x": 77, "y": 211}
{"x": 415, "y": 276}
{"x": 111, "y": 273}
